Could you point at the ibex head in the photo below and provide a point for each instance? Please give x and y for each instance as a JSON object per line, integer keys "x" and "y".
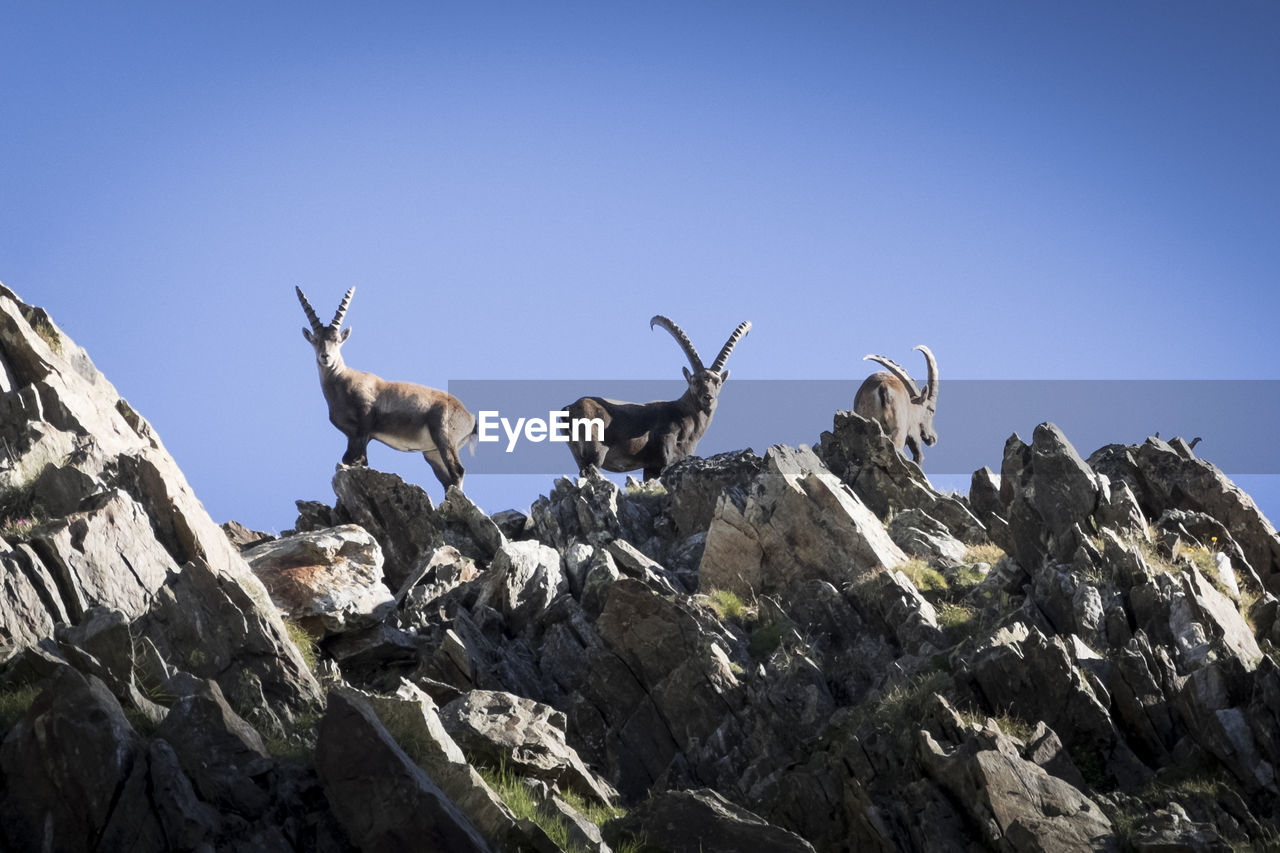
{"x": 924, "y": 401}
{"x": 327, "y": 340}
{"x": 704, "y": 382}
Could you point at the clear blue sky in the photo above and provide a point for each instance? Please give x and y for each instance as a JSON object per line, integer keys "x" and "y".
{"x": 1048, "y": 190}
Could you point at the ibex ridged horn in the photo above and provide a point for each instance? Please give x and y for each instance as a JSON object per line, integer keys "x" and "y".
{"x": 311, "y": 313}
{"x": 727, "y": 349}
{"x": 342, "y": 310}
{"x": 931, "y": 388}
{"x": 897, "y": 370}
{"x": 695, "y": 361}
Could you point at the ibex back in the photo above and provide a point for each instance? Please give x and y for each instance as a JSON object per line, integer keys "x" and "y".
{"x": 654, "y": 435}
{"x": 408, "y": 417}
{"x": 903, "y": 410}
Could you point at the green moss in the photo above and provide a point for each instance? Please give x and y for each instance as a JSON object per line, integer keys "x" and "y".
{"x": 43, "y": 326}
{"x": 307, "y": 645}
{"x": 989, "y": 554}
{"x": 959, "y": 620}
{"x": 14, "y": 703}
{"x": 524, "y": 804}
{"x": 298, "y": 745}
{"x": 727, "y": 605}
{"x": 925, "y": 578}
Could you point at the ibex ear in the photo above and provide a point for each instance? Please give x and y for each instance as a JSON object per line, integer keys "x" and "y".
{"x": 688, "y": 377}
{"x": 306, "y": 333}
{"x": 346, "y": 333}
{"x": 724, "y": 375}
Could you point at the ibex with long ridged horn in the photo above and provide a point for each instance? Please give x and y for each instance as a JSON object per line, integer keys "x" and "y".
{"x": 905, "y": 411}
{"x": 654, "y": 435}
{"x": 408, "y": 417}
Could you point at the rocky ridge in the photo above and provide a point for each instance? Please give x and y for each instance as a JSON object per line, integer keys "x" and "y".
{"x": 812, "y": 649}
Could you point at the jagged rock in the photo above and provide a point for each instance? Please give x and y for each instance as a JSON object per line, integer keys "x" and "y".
{"x": 799, "y": 522}
{"x": 29, "y": 606}
{"x": 1163, "y": 476}
{"x": 242, "y": 537}
{"x": 498, "y": 728}
{"x": 1186, "y": 614}
{"x": 400, "y": 516}
{"x": 920, "y": 535}
{"x": 383, "y": 799}
{"x": 415, "y": 719}
{"x": 696, "y": 485}
{"x": 513, "y": 523}
{"x": 1021, "y": 672}
{"x": 314, "y": 515}
{"x": 460, "y": 511}
{"x": 1018, "y": 806}
{"x": 703, "y": 821}
{"x": 131, "y": 507}
{"x": 523, "y": 579}
{"x": 585, "y": 510}
{"x": 218, "y": 750}
{"x": 213, "y": 627}
{"x": 435, "y": 574}
{"x": 858, "y": 452}
{"x": 63, "y": 766}
{"x": 375, "y": 658}
{"x": 329, "y": 581}
{"x": 1170, "y": 830}
{"x": 84, "y": 549}
{"x": 1051, "y": 495}
{"x": 158, "y": 809}
{"x": 984, "y": 495}
{"x": 911, "y": 618}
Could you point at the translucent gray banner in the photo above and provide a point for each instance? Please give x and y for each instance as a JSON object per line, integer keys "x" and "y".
{"x": 1236, "y": 419}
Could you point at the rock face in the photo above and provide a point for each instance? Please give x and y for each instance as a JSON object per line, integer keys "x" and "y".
{"x": 329, "y": 580}
{"x": 740, "y": 656}
{"x": 797, "y": 522}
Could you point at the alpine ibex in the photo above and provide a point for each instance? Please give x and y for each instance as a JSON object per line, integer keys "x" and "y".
{"x": 905, "y": 412}
{"x": 654, "y": 435}
{"x": 402, "y": 415}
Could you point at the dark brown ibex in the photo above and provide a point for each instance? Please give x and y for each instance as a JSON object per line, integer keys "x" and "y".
{"x": 905, "y": 412}
{"x": 402, "y": 415}
{"x": 653, "y": 435}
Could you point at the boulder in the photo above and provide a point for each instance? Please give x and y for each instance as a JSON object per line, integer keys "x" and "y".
{"x": 328, "y": 581}
{"x": 399, "y": 515}
{"x": 799, "y": 522}
{"x": 1164, "y": 476}
{"x": 498, "y": 728}
{"x": 63, "y": 766}
{"x": 920, "y": 535}
{"x": 703, "y": 821}
{"x": 858, "y": 452}
{"x": 696, "y": 486}
{"x": 522, "y": 581}
{"x": 381, "y": 797}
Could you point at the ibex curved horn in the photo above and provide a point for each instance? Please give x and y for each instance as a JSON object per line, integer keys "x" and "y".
{"x": 931, "y": 388}
{"x": 695, "y": 361}
{"x": 342, "y": 310}
{"x": 727, "y": 350}
{"x": 898, "y": 371}
{"x": 311, "y": 312}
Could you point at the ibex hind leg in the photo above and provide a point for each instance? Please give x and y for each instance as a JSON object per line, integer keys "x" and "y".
{"x": 439, "y": 467}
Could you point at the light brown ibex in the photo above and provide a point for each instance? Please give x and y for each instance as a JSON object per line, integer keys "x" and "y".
{"x": 654, "y": 435}
{"x": 408, "y": 417}
{"x": 905, "y": 412}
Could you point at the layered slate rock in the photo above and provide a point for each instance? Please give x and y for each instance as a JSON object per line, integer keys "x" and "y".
{"x": 1167, "y": 475}
{"x": 798, "y": 521}
{"x": 113, "y": 523}
{"x": 859, "y": 453}
{"x": 383, "y": 799}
